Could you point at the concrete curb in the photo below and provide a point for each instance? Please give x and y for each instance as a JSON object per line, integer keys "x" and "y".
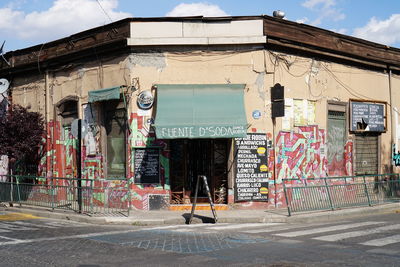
{"x": 146, "y": 219}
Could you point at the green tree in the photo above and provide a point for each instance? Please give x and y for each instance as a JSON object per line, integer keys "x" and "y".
{"x": 21, "y": 134}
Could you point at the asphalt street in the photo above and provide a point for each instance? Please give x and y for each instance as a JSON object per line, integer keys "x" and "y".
{"x": 26, "y": 240}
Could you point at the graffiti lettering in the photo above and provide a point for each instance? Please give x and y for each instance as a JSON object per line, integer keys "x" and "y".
{"x": 396, "y": 157}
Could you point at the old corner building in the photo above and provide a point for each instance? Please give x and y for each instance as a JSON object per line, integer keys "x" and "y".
{"x": 245, "y": 101}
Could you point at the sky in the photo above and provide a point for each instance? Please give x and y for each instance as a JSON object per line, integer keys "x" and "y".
{"x": 24, "y": 23}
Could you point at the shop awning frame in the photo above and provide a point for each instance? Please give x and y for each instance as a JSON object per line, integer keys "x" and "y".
{"x": 200, "y": 111}
{"x": 104, "y": 94}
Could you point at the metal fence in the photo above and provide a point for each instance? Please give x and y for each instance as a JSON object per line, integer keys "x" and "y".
{"x": 87, "y": 196}
{"x": 331, "y": 193}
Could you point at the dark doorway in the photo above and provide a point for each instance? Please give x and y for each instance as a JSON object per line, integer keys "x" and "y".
{"x": 193, "y": 157}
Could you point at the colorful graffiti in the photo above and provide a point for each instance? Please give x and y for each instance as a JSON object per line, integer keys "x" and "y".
{"x": 301, "y": 154}
{"x": 395, "y": 156}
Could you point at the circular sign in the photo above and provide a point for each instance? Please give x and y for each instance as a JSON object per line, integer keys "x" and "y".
{"x": 263, "y": 190}
{"x": 256, "y": 114}
{"x": 145, "y": 100}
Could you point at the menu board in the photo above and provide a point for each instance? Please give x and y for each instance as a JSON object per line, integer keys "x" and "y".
{"x": 367, "y": 117}
{"x": 251, "y": 180}
{"x": 147, "y": 165}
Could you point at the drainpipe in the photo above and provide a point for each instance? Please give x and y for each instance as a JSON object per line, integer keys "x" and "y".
{"x": 392, "y": 124}
{"x": 47, "y": 118}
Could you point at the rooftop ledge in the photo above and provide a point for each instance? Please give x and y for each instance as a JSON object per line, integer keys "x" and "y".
{"x": 197, "y": 40}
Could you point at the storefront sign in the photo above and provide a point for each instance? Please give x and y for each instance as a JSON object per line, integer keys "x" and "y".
{"x": 251, "y": 181}
{"x": 145, "y": 100}
{"x": 367, "y": 116}
{"x": 200, "y": 132}
{"x": 147, "y": 165}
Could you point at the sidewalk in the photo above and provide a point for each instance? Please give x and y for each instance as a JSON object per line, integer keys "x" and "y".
{"x": 228, "y": 216}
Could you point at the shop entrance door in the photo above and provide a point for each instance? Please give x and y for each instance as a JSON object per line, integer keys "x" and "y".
{"x": 192, "y": 157}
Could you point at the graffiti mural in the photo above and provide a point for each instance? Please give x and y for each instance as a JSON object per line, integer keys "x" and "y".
{"x": 396, "y": 156}
{"x": 141, "y": 136}
{"x": 301, "y": 154}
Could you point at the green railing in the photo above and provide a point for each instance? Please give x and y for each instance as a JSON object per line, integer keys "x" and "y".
{"x": 332, "y": 193}
{"x": 87, "y": 196}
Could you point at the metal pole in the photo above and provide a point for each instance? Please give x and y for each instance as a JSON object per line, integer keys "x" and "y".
{"x": 19, "y": 195}
{"x": 11, "y": 187}
{"x": 129, "y": 196}
{"x": 91, "y": 196}
{"x": 329, "y": 195}
{"x": 286, "y": 197}
{"x": 210, "y": 198}
{"x": 194, "y": 200}
{"x": 366, "y": 191}
{"x": 79, "y": 168}
{"x": 52, "y": 193}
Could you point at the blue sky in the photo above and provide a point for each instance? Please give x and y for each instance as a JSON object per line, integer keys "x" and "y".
{"x": 24, "y": 23}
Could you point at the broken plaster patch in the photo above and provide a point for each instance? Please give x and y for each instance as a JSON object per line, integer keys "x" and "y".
{"x": 156, "y": 60}
{"x": 260, "y": 85}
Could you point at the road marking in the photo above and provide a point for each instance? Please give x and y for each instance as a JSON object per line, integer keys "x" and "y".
{"x": 17, "y": 217}
{"x": 337, "y": 237}
{"x": 9, "y": 238}
{"x": 243, "y": 225}
{"x": 382, "y": 241}
{"x": 7, "y": 227}
{"x": 36, "y": 225}
{"x": 187, "y": 226}
{"x": 326, "y": 229}
{"x": 259, "y": 231}
{"x": 283, "y": 227}
{"x": 24, "y": 241}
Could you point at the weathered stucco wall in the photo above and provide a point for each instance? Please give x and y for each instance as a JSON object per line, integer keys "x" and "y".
{"x": 299, "y": 139}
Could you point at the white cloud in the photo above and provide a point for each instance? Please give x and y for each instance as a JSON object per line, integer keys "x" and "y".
{"x": 326, "y": 9}
{"x": 197, "y": 9}
{"x": 63, "y": 18}
{"x": 302, "y": 20}
{"x": 341, "y": 31}
{"x": 381, "y": 31}
{"x": 313, "y": 3}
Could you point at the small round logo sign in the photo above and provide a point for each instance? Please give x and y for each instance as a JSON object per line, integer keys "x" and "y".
{"x": 145, "y": 100}
{"x": 256, "y": 114}
{"x": 263, "y": 190}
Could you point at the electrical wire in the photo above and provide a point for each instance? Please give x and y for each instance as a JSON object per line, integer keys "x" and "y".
{"x": 98, "y": 2}
{"x": 346, "y": 87}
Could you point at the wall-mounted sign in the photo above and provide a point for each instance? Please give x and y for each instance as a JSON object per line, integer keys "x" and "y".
{"x": 251, "y": 180}
{"x": 147, "y": 165}
{"x": 145, "y": 100}
{"x": 367, "y": 116}
{"x": 256, "y": 114}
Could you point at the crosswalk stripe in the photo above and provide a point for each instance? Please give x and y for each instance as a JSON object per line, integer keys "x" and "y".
{"x": 263, "y": 230}
{"x": 6, "y": 227}
{"x": 283, "y": 227}
{"x": 326, "y": 229}
{"x": 36, "y": 225}
{"x": 382, "y": 241}
{"x": 341, "y": 236}
{"x": 186, "y": 226}
{"x": 238, "y": 226}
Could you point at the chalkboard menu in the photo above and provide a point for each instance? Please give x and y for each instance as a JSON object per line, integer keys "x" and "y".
{"x": 147, "y": 165}
{"x": 251, "y": 181}
{"x": 367, "y": 117}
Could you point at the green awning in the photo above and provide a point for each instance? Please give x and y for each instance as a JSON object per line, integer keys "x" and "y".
{"x": 104, "y": 94}
{"x": 200, "y": 111}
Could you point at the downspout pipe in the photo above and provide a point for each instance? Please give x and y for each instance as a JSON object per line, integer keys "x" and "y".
{"x": 47, "y": 118}
{"x": 393, "y": 127}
